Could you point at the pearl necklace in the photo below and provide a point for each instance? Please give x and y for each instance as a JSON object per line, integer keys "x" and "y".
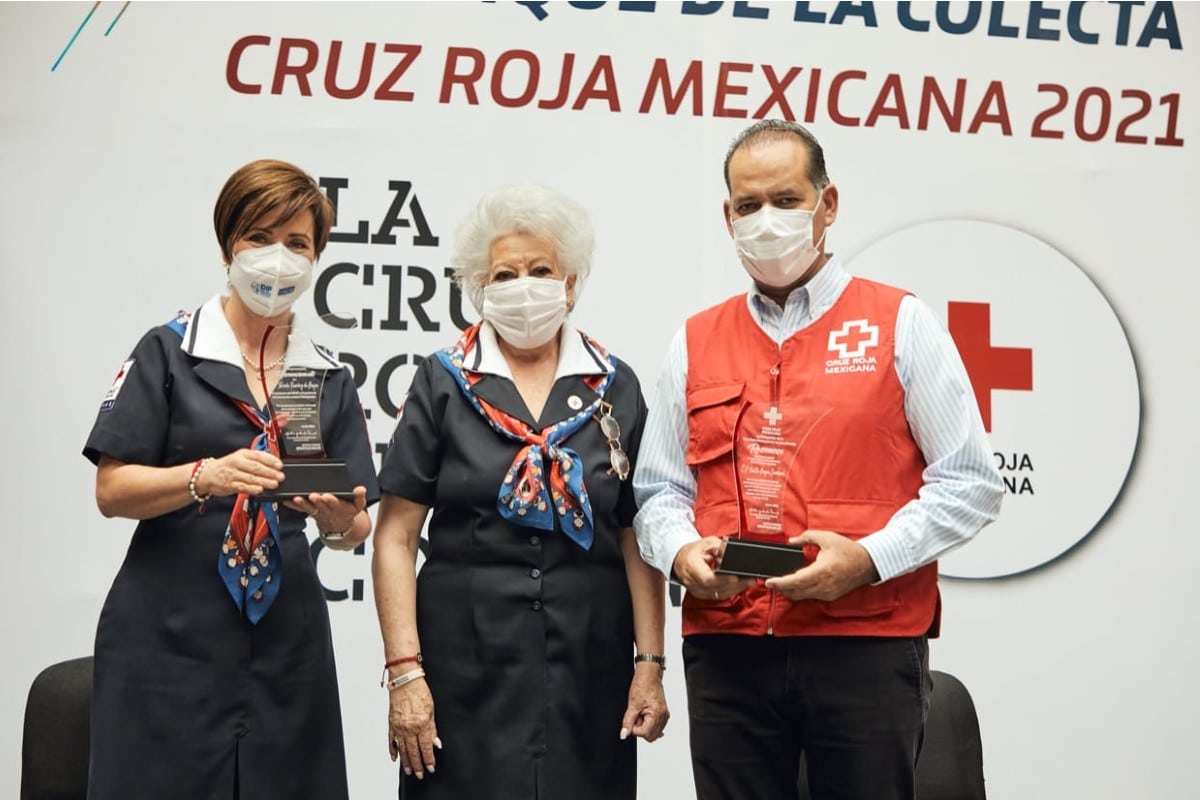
{"x": 266, "y": 367}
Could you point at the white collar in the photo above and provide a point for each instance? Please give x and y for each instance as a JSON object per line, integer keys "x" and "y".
{"x": 207, "y": 335}
{"x": 576, "y": 355}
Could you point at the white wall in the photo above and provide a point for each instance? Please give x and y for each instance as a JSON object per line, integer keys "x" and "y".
{"x": 111, "y": 162}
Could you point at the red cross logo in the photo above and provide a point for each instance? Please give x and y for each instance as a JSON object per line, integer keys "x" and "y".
{"x": 989, "y": 368}
{"x": 854, "y": 338}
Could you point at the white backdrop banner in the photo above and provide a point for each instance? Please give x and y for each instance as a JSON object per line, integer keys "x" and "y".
{"x": 1028, "y": 169}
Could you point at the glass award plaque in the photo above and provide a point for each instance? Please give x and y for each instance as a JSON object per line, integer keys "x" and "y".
{"x": 766, "y": 441}
{"x": 294, "y": 405}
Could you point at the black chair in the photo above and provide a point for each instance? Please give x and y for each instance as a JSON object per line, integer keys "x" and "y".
{"x": 951, "y": 762}
{"x": 56, "y": 742}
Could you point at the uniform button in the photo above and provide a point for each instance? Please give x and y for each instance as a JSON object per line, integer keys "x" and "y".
{"x": 535, "y": 540}
{"x": 537, "y": 605}
{"x": 535, "y": 573}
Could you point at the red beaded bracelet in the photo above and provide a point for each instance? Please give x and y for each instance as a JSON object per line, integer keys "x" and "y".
{"x": 196, "y": 470}
{"x": 395, "y": 662}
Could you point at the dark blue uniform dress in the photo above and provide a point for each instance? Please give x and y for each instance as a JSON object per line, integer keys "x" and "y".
{"x": 527, "y": 638}
{"x": 191, "y": 701}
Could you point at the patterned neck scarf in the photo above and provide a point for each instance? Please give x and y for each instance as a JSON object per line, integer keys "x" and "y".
{"x": 532, "y": 495}
{"x": 249, "y": 562}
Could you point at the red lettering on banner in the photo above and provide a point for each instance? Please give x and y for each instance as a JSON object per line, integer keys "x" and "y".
{"x": 600, "y": 84}
{"x": 451, "y": 76}
{"x": 835, "y": 92}
{"x": 1106, "y": 104}
{"x": 591, "y": 86}
{"x": 984, "y": 114}
{"x": 364, "y": 72}
{"x": 891, "y": 90}
{"x": 283, "y": 67}
{"x": 310, "y": 59}
{"x": 408, "y": 54}
{"x": 235, "y": 60}
{"x": 564, "y": 83}
{"x": 514, "y": 79}
{"x": 931, "y": 91}
{"x": 777, "y": 88}
{"x": 724, "y": 88}
{"x": 814, "y": 83}
{"x": 889, "y": 101}
{"x": 532, "y": 74}
{"x": 989, "y": 368}
{"x": 660, "y": 79}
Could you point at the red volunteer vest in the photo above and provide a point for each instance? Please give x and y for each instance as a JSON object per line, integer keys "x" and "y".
{"x": 836, "y": 389}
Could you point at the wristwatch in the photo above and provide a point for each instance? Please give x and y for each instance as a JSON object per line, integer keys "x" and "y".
{"x": 652, "y": 658}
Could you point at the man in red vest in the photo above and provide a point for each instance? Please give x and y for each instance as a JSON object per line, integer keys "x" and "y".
{"x": 828, "y": 412}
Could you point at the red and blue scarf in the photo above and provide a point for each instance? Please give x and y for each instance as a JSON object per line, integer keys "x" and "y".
{"x": 249, "y": 562}
{"x": 532, "y": 494}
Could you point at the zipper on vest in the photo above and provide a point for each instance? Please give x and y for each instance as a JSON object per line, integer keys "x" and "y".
{"x": 771, "y": 614}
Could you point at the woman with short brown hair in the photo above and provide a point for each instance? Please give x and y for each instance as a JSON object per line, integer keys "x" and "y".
{"x": 214, "y": 672}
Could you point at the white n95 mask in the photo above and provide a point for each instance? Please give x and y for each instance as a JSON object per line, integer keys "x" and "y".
{"x": 269, "y": 279}
{"x": 526, "y": 312}
{"x": 776, "y": 245}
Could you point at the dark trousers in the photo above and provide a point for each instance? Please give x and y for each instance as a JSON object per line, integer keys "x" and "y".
{"x": 854, "y": 707}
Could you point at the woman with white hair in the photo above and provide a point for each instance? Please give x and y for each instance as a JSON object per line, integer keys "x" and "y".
{"x": 527, "y": 656}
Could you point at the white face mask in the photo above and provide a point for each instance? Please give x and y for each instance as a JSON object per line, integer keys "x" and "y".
{"x": 526, "y": 312}
{"x": 269, "y": 279}
{"x": 776, "y": 245}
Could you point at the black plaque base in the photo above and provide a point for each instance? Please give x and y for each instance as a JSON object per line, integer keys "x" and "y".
{"x": 753, "y": 559}
{"x": 303, "y": 476}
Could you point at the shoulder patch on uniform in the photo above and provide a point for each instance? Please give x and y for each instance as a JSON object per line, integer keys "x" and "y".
{"x": 180, "y": 322}
{"x": 110, "y": 397}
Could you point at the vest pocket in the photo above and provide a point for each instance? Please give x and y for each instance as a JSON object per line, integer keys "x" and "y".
{"x": 855, "y": 519}
{"x": 717, "y": 519}
{"x": 712, "y": 410}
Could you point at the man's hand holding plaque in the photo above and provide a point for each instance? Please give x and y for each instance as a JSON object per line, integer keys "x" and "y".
{"x": 841, "y": 566}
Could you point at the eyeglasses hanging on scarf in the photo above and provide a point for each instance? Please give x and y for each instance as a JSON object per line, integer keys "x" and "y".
{"x": 612, "y": 433}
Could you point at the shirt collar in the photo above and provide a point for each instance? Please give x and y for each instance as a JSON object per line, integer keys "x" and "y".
{"x": 576, "y": 354}
{"x": 207, "y": 335}
{"x": 821, "y": 291}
